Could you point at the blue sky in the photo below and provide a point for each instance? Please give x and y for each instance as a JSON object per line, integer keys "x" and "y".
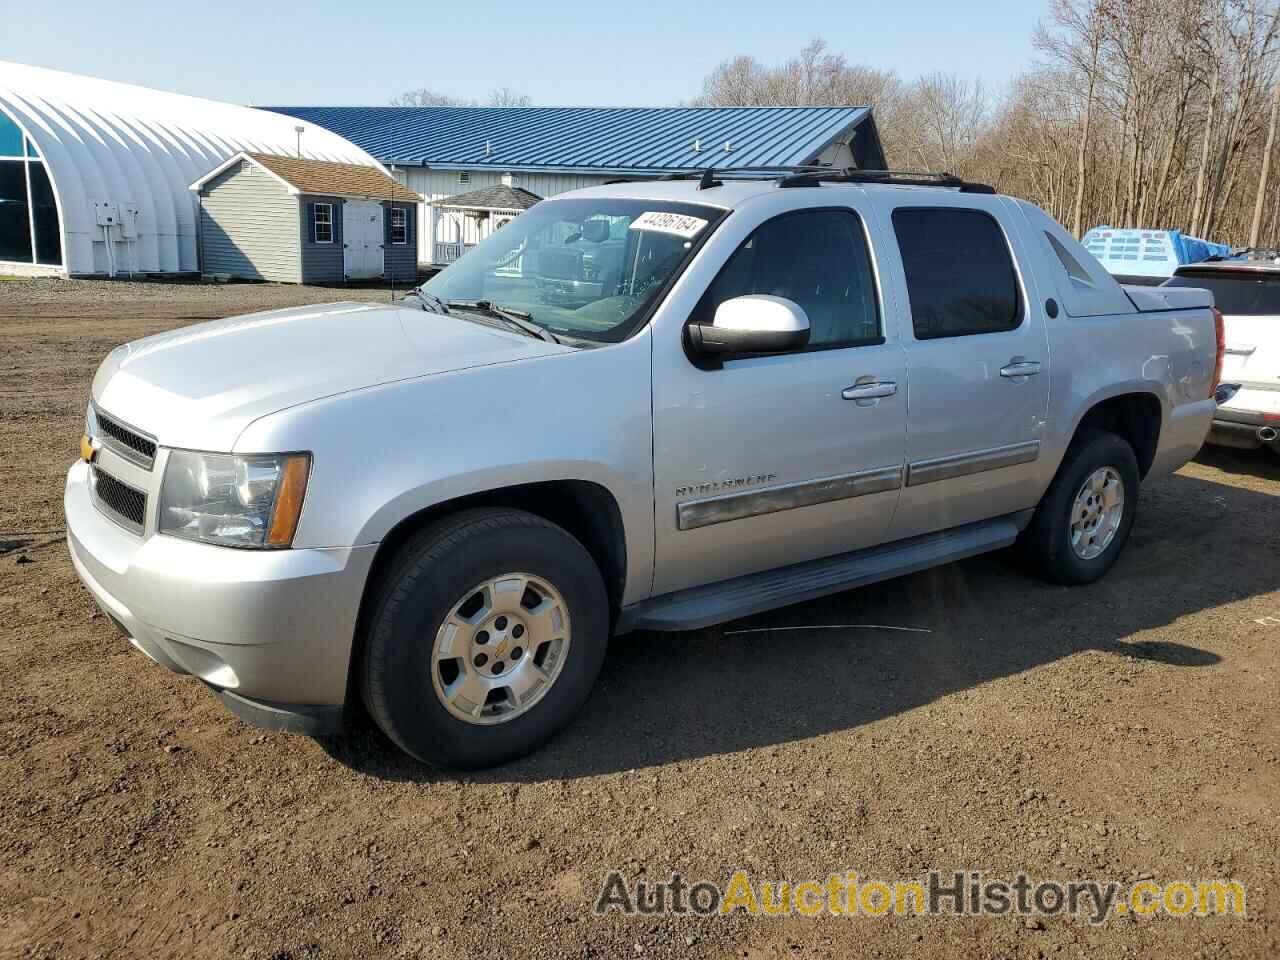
{"x": 573, "y": 53}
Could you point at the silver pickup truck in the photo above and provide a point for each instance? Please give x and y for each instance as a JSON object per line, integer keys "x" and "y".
{"x": 652, "y": 405}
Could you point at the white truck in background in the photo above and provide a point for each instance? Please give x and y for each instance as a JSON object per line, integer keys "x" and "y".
{"x": 1247, "y": 291}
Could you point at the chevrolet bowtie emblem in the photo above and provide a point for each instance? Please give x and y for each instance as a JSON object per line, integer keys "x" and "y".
{"x": 87, "y": 450}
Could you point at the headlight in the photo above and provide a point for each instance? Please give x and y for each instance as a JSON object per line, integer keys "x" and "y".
{"x": 235, "y": 501}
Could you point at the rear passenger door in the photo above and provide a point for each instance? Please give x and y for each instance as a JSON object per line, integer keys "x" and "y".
{"x": 977, "y": 362}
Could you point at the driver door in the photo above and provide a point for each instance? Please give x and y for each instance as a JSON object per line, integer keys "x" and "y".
{"x": 775, "y": 459}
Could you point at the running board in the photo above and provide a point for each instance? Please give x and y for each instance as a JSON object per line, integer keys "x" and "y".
{"x": 742, "y": 596}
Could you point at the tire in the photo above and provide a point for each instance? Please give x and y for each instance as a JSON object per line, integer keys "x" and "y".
{"x": 1049, "y": 537}
{"x": 405, "y": 685}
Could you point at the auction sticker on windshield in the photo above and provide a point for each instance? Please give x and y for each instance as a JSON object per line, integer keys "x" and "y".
{"x": 678, "y": 224}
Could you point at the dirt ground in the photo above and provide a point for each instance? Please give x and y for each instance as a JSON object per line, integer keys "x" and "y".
{"x": 1124, "y": 730}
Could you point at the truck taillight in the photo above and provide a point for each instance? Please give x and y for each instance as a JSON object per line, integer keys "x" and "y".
{"x": 1220, "y": 328}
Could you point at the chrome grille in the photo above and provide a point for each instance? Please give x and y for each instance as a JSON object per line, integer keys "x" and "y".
{"x": 119, "y": 501}
{"x": 126, "y": 441}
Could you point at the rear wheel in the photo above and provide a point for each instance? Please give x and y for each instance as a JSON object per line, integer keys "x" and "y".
{"x": 485, "y": 639}
{"x": 1084, "y": 519}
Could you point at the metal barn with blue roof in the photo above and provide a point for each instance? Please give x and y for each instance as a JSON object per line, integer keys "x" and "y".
{"x": 439, "y": 152}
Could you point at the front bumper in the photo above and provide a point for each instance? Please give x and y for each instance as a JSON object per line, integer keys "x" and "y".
{"x": 270, "y": 630}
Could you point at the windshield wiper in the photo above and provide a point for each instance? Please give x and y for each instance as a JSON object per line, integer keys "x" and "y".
{"x": 430, "y": 300}
{"x": 518, "y": 319}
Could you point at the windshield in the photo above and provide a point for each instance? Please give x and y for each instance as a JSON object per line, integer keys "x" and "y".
{"x": 588, "y": 268}
{"x": 1238, "y": 293}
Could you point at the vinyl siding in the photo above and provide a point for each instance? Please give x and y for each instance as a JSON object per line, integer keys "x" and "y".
{"x": 402, "y": 260}
{"x": 321, "y": 262}
{"x": 249, "y": 227}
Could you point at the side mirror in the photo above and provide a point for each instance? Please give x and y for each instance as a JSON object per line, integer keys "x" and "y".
{"x": 753, "y": 324}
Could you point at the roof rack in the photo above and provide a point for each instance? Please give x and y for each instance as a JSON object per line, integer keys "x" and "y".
{"x": 707, "y": 176}
{"x": 814, "y": 175}
{"x": 901, "y": 178}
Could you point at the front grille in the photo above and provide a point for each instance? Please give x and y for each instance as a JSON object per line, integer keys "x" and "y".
{"x": 127, "y": 442}
{"x": 119, "y": 501}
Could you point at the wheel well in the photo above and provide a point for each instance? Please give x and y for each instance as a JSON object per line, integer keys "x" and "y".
{"x": 586, "y": 510}
{"x": 1133, "y": 416}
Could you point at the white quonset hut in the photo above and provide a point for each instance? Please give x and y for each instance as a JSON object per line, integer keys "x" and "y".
{"x": 94, "y": 175}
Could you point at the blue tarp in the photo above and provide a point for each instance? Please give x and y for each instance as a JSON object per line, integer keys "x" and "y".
{"x": 1148, "y": 253}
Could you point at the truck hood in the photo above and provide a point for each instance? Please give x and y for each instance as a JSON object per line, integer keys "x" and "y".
{"x": 200, "y": 386}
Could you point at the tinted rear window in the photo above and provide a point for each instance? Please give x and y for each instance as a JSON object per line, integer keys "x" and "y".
{"x": 960, "y": 276}
{"x": 1239, "y": 294}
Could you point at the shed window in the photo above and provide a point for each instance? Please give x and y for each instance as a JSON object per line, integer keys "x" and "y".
{"x": 323, "y": 222}
{"x": 399, "y": 226}
{"x": 464, "y": 176}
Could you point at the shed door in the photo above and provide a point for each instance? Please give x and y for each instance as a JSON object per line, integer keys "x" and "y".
{"x": 362, "y": 239}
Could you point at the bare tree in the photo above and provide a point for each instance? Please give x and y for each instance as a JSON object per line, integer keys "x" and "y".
{"x": 1078, "y": 41}
{"x": 945, "y": 119}
{"x": 814, "y": 77}
{"x": 1173, "y": 96}
{"x": 424, "y": 97}
{"x": 506, "y": 97}
{"x": 1255, "y": 229}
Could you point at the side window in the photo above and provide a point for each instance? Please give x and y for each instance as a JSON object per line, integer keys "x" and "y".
{"x": 399, "y": 226}
{"x": 323, "y": 226}
{"x": 960, "y": 276}
{"x": 819, "y": 259}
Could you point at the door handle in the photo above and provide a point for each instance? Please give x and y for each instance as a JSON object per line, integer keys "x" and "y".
{"x": 1020, "y": 368}
{"x": 870, "y": 391}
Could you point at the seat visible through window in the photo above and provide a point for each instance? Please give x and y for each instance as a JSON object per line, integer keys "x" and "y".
{"x": 816, "y": 258}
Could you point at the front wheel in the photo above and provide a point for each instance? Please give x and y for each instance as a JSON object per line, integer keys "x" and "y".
{"x": 485, "y": 640}
{"x": 1084, "y": 519}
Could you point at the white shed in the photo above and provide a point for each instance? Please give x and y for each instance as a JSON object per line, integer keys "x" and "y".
{"x": 460, "y": 222}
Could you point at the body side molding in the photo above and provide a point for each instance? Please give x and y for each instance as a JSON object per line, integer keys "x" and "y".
{"x": 738, "y": 506}
{"x": 963, "y": 464}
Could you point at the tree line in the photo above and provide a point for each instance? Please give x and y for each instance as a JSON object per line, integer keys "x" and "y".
{"x": 1137, "y": 113}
